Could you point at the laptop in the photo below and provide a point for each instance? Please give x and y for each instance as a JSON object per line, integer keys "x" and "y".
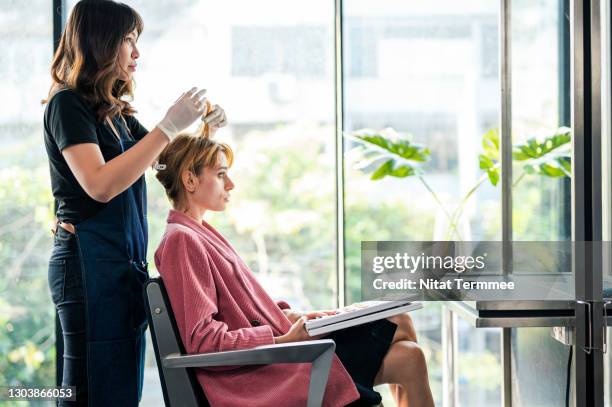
{"x": 358, "y": 314}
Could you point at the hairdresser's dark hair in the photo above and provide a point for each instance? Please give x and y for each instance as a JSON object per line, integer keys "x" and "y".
{"x": 87, "y": 57}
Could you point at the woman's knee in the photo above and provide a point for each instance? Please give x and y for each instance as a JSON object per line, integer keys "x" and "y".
{"x": 415, "y": 350}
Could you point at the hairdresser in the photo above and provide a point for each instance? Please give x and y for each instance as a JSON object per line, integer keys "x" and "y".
{"x": 98, "y": 153}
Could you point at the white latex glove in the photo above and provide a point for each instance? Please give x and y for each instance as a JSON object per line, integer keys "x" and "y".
{"x": 183, "y": 112}
{"x": 216, "y": 117}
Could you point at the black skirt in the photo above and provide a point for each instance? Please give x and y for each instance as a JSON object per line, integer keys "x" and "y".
{"x": 361, "y": 350}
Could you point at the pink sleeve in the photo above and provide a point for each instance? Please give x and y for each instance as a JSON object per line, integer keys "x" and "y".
{"x": 185, "y": 269}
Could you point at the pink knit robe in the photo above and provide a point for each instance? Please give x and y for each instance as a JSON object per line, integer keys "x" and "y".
{"x": 219, "y": 306}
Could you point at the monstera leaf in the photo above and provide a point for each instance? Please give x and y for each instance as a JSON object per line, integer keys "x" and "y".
{"x": 394, "y": 156}
{"x": 550, "y": 157}
{"x": 385, "y": 153}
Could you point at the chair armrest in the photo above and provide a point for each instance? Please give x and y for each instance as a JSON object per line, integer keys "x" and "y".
{"x": 319, "y": 352}
{"x": 293, "y": 352}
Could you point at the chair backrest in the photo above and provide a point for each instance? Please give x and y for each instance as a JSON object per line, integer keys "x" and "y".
{"x": 180, "y": 386}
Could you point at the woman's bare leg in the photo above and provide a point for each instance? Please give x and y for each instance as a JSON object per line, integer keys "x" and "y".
{"x": 404, "y": 365}
{"x": 405, "y": 332}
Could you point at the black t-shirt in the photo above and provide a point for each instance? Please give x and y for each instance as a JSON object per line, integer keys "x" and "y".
{"x": 70, "y": 120}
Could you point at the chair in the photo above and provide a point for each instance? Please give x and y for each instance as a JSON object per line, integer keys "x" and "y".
{"x": 178, "y": 380}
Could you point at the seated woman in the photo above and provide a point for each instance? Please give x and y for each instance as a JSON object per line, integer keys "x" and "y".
{"x": 220, "y": 306}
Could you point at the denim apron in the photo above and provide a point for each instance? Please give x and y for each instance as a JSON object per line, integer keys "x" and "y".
{"x": 112, "y": 246}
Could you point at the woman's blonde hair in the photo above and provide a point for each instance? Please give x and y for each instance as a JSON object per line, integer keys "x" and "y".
{"x": 188, "y": 152}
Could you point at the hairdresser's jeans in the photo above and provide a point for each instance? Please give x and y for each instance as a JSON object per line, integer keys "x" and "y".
{"x": 66, "y": 285}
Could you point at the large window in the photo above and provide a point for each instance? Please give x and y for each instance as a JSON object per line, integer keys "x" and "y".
{"x": 427, "y": 73}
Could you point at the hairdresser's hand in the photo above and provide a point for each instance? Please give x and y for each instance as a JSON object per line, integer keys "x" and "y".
{"x": 215, "y": 119}
{"x": 187, "y": 108}
{"x": 297, "y": 333}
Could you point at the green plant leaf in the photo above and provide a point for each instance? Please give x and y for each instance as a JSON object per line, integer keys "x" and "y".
{"x": 566, "y": 164}
{"x": 525, "y": 151}
{"x": 488, "y": 160}
{"x": 402, "y": 171}
{"x": 493, "y": 176}
{"x": 401, "y": 148}
{"x": 387, "y": 169}
{"x": 520, "y": 156}
{"x": 485, "y": 162}
{"x": 551, "y": 170}
{"x": 549, "y": 156}
{"x": 490, "y": 144}
{"x": 383, "y": 170}
{"x": 535, "y": 148}
{"x": 402, "y": 158}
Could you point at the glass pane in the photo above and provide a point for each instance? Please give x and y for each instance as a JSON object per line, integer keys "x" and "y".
{"x": 478, "y": 347}
{"x": 541, "y": 185}
{"x": 424, "y": 73}
{"x": 273, "y": 75}
{"x": 539, "y": 368}
{"x": 540, "y": 106}
{"x": 26, "y": 334}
